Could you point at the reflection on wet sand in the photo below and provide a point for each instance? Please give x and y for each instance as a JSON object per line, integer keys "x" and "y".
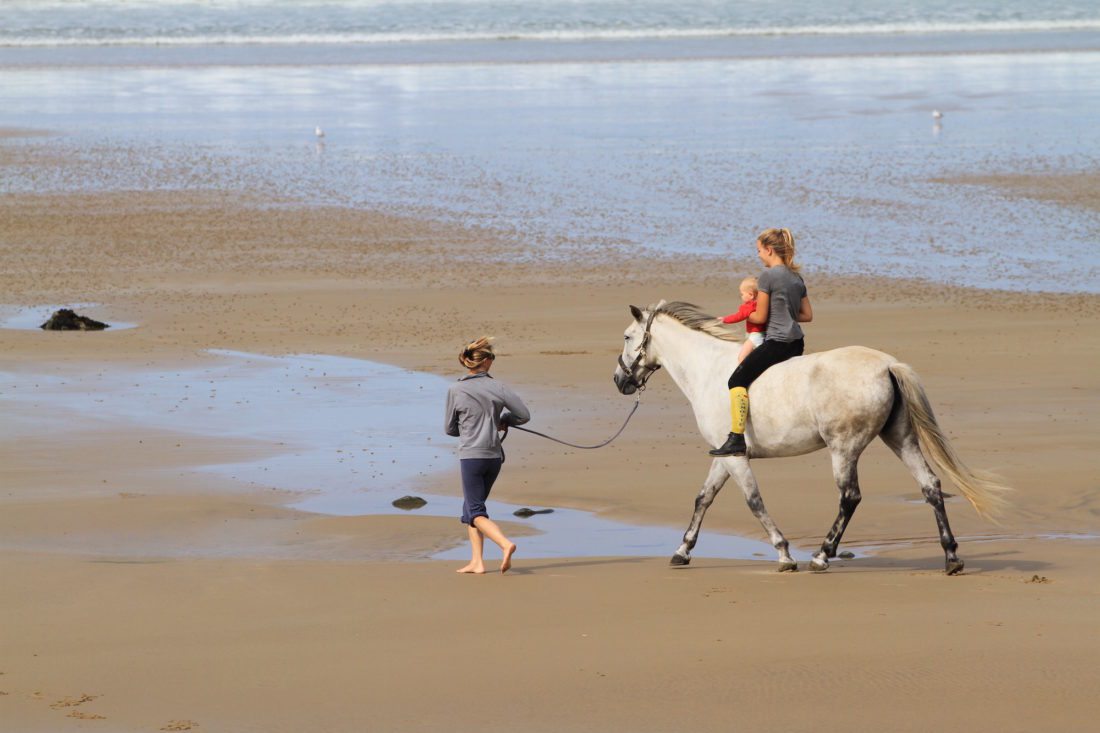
{"x": 347, "y": 437}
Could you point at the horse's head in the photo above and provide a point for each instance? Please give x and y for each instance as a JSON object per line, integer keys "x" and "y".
{"x": 636, "y": 364}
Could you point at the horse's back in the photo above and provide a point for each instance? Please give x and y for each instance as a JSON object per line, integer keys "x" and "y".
{"x": 810, "y": 401}
{"x": 834, "y": 364}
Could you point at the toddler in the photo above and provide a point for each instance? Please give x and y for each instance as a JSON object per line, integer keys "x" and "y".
{"x": 754, "y": 332}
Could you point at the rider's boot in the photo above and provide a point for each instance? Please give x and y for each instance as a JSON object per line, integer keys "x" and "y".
{"x": 734, "y": 446}
{"x": 739, "y": 413}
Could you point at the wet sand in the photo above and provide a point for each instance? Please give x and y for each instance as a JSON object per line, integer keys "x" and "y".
{"x": 287, "y": 621}
{"x": 1079, "y": 190}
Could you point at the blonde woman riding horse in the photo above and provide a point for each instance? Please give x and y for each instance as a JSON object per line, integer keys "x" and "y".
{"x": 840, "y": 399}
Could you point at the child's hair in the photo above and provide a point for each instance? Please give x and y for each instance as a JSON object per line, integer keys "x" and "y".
{"x": 780, "y": 241}
{"x": 750, "y": 283}
{"x": 477, "y": 352}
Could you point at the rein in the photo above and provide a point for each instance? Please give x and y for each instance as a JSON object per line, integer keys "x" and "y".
{"x": 637, "y": 404}
{"x": 629, "y": 370}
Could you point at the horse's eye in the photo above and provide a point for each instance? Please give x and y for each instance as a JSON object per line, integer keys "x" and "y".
{"x": 626, "y": 338}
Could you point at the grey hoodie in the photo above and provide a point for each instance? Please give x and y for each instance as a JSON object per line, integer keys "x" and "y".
{"x": 475, "y": 405}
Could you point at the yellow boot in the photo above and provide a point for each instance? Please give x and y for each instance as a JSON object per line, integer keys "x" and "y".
{"x": 739, "y": 412}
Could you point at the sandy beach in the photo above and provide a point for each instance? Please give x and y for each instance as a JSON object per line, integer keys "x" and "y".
{"x": 141, "y": 594}
{"x": 294, "y": 216}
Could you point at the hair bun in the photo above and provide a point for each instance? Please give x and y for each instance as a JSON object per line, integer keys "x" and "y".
{"x": 477, "y": 352}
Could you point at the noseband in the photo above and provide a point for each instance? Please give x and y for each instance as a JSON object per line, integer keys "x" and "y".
{"x": 640, "y": 385}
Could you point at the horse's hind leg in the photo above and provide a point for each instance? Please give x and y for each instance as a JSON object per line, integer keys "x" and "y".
{"x": 901, "y": 439}
{"x": 847, "y": 481}
{"x": 739, "y": 469}
{"x": 716, "y": 479}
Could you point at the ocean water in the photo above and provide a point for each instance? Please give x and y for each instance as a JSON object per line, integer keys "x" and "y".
{"x": 164, "y": 22}
{"x": 607, "y": 127}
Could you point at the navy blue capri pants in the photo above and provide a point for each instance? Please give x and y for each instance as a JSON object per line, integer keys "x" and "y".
{"x": 478, "y": 476}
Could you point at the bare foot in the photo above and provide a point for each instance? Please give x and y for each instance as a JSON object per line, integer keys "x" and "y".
{"x": 474, "y": 567}
{"x": 506, "y": 563}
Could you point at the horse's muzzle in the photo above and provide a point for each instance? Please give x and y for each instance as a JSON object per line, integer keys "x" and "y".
{"x": 624, "y": 382}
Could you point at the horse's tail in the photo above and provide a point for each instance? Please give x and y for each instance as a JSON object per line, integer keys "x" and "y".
{"x": 982, "y": 489}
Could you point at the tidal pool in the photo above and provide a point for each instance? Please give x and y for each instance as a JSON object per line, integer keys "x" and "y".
{"x": 349, "y": 437}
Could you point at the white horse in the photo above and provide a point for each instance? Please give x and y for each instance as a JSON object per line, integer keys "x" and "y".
{"x": 840, "y": 400}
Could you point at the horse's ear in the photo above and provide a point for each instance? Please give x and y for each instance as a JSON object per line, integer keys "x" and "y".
{"x": 637, "y": 313}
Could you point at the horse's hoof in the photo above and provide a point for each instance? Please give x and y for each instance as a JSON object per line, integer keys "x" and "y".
{"x": 954, "y": 567}
{"x": 788, "y": 567}
{"x": 678, "y": 561}
{"x": 819, "y": 565}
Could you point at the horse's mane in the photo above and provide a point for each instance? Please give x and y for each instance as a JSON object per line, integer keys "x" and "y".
{"x": 689, "y": 315}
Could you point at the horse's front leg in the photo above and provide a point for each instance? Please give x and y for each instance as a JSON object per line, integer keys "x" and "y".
{"x": 742, "y": 473}
{"x": 716, "y": 479}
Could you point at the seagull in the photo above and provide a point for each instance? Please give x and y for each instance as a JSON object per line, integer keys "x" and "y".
{"x": 936, "y": 115}
{"x": 318, "y": 131}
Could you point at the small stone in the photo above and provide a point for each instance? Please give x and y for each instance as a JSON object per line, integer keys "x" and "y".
{"x": 408, "y": 503}
{"x": 846, "y": 555}
{"x": 67, "y": 320}
{"x": 529, "y": 512}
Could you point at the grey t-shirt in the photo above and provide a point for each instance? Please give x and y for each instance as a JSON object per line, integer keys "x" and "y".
{"x": 785, "y": 290}
{"x": 475, "y": 405}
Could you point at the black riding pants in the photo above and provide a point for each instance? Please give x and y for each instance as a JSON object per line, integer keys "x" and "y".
{"x": 763, "y": 356}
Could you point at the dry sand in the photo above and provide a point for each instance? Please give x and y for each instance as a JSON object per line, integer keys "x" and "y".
{"x": 139, "y": 598}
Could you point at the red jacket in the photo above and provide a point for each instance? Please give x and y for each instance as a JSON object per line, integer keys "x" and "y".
{"x": 742, "y": 314}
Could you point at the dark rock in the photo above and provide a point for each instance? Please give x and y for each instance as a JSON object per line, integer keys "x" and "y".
{"x": 67, "y": 320}
{"x": 408, "y": 503}
{"x": 846, "y": 555}
{"x": 528, "y": 512}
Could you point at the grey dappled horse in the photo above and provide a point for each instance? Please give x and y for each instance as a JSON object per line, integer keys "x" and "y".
{"x": 839, "y": 399}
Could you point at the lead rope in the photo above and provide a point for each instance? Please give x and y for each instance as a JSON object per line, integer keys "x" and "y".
{"x": 637, "y": 401}
{"x": 637, "y": 404}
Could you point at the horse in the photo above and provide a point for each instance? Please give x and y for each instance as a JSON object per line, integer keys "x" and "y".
{"x": 839, "y": 399}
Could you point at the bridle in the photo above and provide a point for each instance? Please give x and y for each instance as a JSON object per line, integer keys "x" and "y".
{"x": 629, "y": 370}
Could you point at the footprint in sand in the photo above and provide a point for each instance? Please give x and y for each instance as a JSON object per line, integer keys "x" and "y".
{"x": 85, "y": 716}
{"x": 180, "y": 725}
{"x": 72, "y": 702}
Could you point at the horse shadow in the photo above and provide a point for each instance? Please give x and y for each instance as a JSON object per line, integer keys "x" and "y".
{"x": 993, "y": 561}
